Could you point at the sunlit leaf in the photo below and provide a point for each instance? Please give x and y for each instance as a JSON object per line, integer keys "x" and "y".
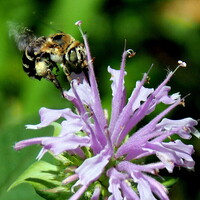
{"x": 44, "y": 178}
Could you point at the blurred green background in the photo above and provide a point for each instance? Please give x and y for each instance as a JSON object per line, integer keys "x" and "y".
{"x": 160, "y": 31}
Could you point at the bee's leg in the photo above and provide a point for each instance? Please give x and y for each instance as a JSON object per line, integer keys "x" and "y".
{"x": 51, "y": 77}
{"x": 69, "y": 78}
{"x": 52, "y": 64}
{"x": 67, "y": 72}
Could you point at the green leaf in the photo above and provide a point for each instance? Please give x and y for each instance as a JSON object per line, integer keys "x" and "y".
{"x": 44, "y": 177}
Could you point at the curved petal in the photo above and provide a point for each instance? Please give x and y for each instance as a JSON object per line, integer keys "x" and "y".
{"x": 50, "y": 115}
{"x": 172, "y": 153}
{"x": 68, "y": 142}
{"x": 92, "y": 168}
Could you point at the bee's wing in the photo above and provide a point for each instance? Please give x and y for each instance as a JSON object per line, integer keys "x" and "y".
{"x": 22, "y": 35}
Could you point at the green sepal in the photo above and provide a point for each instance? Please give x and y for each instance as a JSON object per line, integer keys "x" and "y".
{"x": 44, "y": 177}
{"x": 57, "y": 129}
{"x": 170, "y": 181}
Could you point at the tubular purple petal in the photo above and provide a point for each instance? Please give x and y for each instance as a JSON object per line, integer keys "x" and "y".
{"x": 79, "y": 193}
{"x": 128, "y": 191}
{"x": 61, "y": 144}
{"x": 118, "y": 94}
{"x": 126, "y": 112}
{"x": 150, "y": 168}
{"x": 91, "y": 168}
{"x": 115, "y": 179}
{"x": 28, "y": 142}
{"x": 94, "y": 88}
{"x": 96, "y": 194}
{"x": 142, "y": 135}
{"x": 49, "y": 115}
{"x": 70, "y": 179}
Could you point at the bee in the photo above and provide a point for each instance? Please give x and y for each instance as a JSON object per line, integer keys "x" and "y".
{"x": 41, "y": 55}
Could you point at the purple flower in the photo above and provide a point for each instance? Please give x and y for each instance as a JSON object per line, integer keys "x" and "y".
{"x": 109, "y": 153}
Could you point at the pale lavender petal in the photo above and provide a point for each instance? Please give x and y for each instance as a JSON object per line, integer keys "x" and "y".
{"x": 82, "y": 89}
{"x": 146, "y": 108}
{"x": 96, "y": 144}
{"x": 96, "y": 193}
{"x": 79, "y": 193}
{"x": 126, "y": 123}
{"x": 183, "y": 152}
{"x": 152, "y": 168}
{"x": 56, "y": 144}
{"x": 28, "y": 142}
{"x": 49, "y": 115}
{"x": 97, "y": 107}
{"x": 145, "y": 190}
{"x": 126, "y": 114}
{"x": 141, "y": 96}
{"x": 72, "y": 99}
{"x": 93, "y": 167}
{"x": 119, "y": 187}
{"x": 115, "y": 179}
{"x": 142, "y": 135}
{"x": 70, "y": 179}
{"x": 71, "y": 126}
{"x": 69, "y": 95}
{"x": 146, "y": 185}
{"x": 157, "y": 188}
{"x": 162, "y": 96}
{"x": 68, "y": 142}
{"x": 172, "y": 153}
{"x": 119, "y": 94}
{"x": 128, "y": 191}
{"x": 115, "y": 78}
{"x": 182, "y": 127}
{"x": 99, "y": 133}
{"x": 78, "y": 151}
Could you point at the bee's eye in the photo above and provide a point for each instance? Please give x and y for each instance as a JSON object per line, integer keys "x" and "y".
{"x": 72, "y": 56}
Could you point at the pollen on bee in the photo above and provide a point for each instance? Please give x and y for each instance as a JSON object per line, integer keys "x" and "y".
{"x": 41, "y": 68}
{"x": 56, "y": 58}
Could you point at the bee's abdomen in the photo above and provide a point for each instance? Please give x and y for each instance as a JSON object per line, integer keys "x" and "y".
{"x": 29, "y": 67}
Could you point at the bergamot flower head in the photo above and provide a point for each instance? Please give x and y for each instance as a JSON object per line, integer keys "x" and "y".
{"x": 105, "y": 159}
